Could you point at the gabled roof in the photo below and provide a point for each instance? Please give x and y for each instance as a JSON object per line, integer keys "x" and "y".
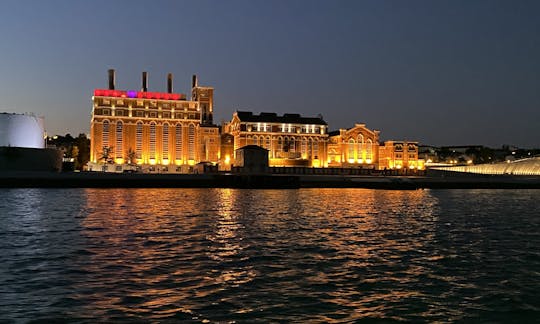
{"x": 248, "y": 116}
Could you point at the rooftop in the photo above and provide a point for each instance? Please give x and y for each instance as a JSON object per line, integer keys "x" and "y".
{"x": 265, "y": 117}
{"x": 132, "y": 94}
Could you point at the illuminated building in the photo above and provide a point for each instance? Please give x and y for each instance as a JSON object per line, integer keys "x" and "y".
{"x": 528, "y": 166}
{"x": 159, "y": 131}
{"x": 22, "y": 144}
{"x": 354, "y": 147}
{"x": 291, "y": 140}
{"x": 399, "y": 155}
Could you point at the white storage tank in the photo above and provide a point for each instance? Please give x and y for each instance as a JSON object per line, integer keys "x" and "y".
{"x": 21, "y": 130}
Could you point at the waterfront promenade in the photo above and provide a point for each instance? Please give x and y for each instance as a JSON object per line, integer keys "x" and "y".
{"x": 437, "y": 180}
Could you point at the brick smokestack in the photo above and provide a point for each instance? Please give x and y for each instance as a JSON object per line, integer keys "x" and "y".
{"x": 169, "y": 83}
{"x": 144, "y": 82}
{"x": 111, "y": 79}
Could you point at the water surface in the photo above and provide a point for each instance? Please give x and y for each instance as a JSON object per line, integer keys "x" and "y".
{"x": 308, "y": 255}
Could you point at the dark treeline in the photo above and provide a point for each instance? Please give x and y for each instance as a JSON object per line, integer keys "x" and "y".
{"x": 76, "y": 148}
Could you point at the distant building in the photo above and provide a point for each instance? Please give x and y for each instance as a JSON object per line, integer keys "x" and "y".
{"x": 291, "y": 139}
{"x": 154, "y": 130}
{"x": 399, "y": 155}
{"x": 354, "y": 147}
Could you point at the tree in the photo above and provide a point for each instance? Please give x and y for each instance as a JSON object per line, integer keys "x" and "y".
{"x": 131, "y": 157}
{"x": 83, "y": 143}
{"x": 107, "y": 155}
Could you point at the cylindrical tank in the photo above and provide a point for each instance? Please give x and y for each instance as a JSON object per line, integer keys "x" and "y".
{"x": 21, "y": 130}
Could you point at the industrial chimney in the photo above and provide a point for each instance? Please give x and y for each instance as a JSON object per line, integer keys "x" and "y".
{"x": 169, "y": 83}
{"x": 194, "y": 81}
{"x": 144, "y": 82}
{"x": 111, "y": 79}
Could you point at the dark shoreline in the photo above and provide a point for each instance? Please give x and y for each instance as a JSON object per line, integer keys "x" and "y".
{"x": 263, "y": 181}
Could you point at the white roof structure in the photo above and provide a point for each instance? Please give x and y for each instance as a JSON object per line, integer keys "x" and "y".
{"x": 530, "y": 166}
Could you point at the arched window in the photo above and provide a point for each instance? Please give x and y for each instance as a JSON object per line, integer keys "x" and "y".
{"x": 255, "y": 140}
{"x": 286, "y": 144}
{"x": 166, "y": 141}
{"x": 316, "y": 148}
{"x": 191, "y": 142}
{"x": 351, "y": 149}
{"x": 138, "y": 140}
{"x": 178, "y": 141}
{"x": 303, "y": 147}
{"x": 280, "y": 144}
{"x": 369, "y": 150}
{"x": 105, "y": 134}
{"x": 310, "y": 148}
{"x": 268, "y": 143}
{"x": 361, "y": 148}
{"x": 119, "y": 139}
{"x": 152, "y": 140}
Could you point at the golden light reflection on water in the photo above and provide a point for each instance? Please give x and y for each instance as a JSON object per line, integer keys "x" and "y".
{"x": 176, "y": 247}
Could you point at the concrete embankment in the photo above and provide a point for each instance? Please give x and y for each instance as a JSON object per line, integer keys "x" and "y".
{"x": 111, "y": 180}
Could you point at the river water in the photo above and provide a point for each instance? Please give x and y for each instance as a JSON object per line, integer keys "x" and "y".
{"x": 244, "y": 256}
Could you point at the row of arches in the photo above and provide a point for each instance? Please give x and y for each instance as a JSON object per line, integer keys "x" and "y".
{"x": 120, "y": 151}
{"x": 358, "y": 149}
{"x": 288, "y": 146}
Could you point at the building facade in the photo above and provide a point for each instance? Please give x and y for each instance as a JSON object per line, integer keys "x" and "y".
{"x": 399, "y": 155}
{"x": 291, "y": 140}
{"x": 158, "y": 131}
{"x": 354, "y": 147}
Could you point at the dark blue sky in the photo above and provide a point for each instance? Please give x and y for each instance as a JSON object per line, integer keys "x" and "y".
{"x": 439, "y": 72}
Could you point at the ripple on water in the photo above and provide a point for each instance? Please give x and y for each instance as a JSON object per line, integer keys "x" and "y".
{"x": 309, "y": 255}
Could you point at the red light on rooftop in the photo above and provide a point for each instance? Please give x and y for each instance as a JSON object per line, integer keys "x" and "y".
{"x": 138, "y": 94}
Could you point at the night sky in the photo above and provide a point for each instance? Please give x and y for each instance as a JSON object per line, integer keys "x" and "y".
{"x": 437, "y": 72}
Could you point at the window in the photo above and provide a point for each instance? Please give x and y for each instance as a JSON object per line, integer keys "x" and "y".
{"x": 191, "y": 142}
{"x": 138, "y": 144}
{"x": 166, "y": 141}
{"x": 255, "y": 140}
{"x": 351, "y": 149}
{"x": 105, "y": 135}
{"x": 369, "y": 150}
{"x": 268, "y": 143}
{"x": 119, "y": 139}
{"x": 178, "y": 142}
{"x": 360, "y": 140}
{"x": 304, "y": 147}
{"x": 316, "y": 149}
{"x": 152, "y": 140}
